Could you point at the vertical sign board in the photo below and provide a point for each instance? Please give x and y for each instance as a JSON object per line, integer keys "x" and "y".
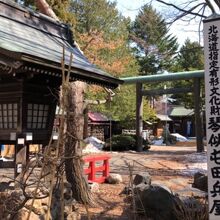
{"x": 212, "y": 99}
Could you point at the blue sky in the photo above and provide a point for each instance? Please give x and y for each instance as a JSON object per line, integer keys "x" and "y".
{"x": 129, "y": 8}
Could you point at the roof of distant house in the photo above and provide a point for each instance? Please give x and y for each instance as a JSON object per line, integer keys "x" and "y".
{"x": 163, "y": 117}
{"x": 181, "y": 111}
{"x": 98, "y": 117}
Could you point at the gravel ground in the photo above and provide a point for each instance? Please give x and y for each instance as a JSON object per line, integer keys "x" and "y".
{"x": 172, "y": 166}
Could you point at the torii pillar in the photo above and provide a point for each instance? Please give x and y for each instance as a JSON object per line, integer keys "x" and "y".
{"x": 198, "y": 117}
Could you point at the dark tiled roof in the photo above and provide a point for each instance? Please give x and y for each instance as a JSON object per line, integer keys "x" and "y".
{"x": 35, "y": 38}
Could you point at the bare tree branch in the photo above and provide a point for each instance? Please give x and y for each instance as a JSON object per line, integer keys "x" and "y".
{"x": 185, "y": 11}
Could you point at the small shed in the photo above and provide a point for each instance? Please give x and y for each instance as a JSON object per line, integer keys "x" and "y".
{"x": 163, "y": 120}
{"x": 99, "y": 125}
{"x": 183, "y": 121}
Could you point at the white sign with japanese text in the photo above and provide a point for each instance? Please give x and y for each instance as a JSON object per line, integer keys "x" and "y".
{"x": 212, "y": 99}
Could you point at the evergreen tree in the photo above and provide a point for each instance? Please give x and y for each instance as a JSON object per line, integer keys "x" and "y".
{"x": 154, "y": 45}
{"x": 104, "y": 37}
{"x": 190, "y": 57}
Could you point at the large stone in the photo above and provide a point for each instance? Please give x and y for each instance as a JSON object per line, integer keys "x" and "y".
{"x": 23, "y": 214}
{"x": 5, "y": 186}
{"x": 67, "y": 191}
{"x": 200, "y": 181}
{"x": 114, "y": 178}
{"x": 73, "y": 216}
{"x": 127, "y": 191}
{"x": 144, "y": 178}
{"x": 155, "y": 202}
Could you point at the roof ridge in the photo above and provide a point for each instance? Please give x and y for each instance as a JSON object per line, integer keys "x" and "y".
{"x": 34, "y": 13}
{"x": 28, "y": 17}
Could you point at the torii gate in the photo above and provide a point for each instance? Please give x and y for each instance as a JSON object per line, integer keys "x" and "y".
{"x": 140, "y": 80}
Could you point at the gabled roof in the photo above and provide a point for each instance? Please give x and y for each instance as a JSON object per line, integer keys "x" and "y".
{"x": 181, "y": 111}
{"x": 36, "y": 40}
{"x": 163, "y": 117}
{"x": 97, "y": 117}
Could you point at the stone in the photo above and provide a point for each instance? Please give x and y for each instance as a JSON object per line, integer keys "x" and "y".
{"x": 155, "y": 202}
{"x": 67, "y": 191}
{"x": 94, "y": 187}
{"x": 127, "y": 191}
{"x": 45, "y": 201}
{"x": 5, "y": 186}
{"x": 140, "y": 188}
{"x": 114, "y": 178}
{"x": 142, "y": 178}
{"x": 73, "y": 216}
{"x": 200, "y": 181}
{"x": 23, "y": 214}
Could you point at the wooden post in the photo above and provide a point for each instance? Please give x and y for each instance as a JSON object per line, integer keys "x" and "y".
{"x": 86, "y": 120}
{"x": 198, "y": 121}
{"x": 20, "y": 158}
{"x": 139, "y": 116}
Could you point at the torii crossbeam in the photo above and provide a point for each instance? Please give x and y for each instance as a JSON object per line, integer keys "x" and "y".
{"x": 140, "y": 80}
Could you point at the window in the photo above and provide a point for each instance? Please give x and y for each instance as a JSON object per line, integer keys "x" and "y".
{"x": 8, "y": 115}
{"x": 37, "y": 115}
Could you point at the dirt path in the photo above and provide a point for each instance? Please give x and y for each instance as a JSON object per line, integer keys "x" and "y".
{"x": 172, "y": 166}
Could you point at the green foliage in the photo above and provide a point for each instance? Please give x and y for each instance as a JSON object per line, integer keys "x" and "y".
{"x": 123, "y": 107}
{"x": 103, "y": 35}
{"x": 191, "y": 57}
{"x": 121, "y": 143}
{"x": 124, "y": 142}
{"x": 104, "y": 17}
{"x": 154, "y": 45}
{"x": 62, "y": 9}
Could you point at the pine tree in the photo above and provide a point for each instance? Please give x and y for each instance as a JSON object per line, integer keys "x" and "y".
{"x": 190, "y": 57}
{"x": 154, "y": 45}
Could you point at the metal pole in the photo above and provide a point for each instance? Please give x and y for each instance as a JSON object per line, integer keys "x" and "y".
{"x": 198, "y": 121}
{"x": 139, "y": 116}
{"x": 165, "y": 99}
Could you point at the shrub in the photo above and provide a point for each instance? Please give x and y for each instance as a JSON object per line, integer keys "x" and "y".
{"x": 121, "y": 142}
{"x": 124, "y": 142}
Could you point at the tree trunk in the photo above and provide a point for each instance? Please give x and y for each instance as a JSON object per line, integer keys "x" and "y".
{"x": 44, "y": 8}
{"x": 73, "y": 96}
{"x": 73, "y": 151}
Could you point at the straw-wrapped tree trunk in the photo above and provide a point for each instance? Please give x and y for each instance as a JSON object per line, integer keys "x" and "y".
{"x": 73, "y": 163}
